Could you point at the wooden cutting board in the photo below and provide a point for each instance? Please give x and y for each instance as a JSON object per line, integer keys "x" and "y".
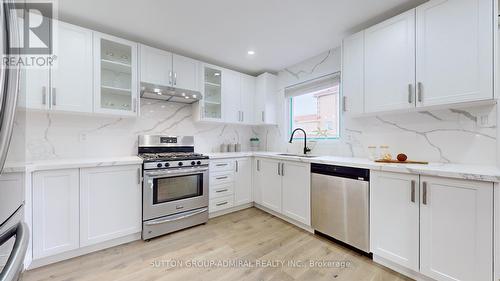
{"x": 401, "y": 162}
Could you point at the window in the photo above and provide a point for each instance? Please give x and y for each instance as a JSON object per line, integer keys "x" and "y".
{"x": 315, "y": 108}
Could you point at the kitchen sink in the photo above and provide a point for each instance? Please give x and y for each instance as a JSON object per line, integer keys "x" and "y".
{"x": 297, "y": 155}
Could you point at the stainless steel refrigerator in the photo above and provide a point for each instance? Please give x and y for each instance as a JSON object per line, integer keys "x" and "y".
{"x": 12, "y": 228}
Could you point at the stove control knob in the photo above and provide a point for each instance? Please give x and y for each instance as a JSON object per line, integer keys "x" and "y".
{"x": 158, "y": 165}
{"x": 167, "y": 165}
{"x": 180, "y": 163}
{"x": 199, "y": 162}
{"x": 193, "y": 163}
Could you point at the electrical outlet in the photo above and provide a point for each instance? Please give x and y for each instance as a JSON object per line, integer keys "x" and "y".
{"x": 83, "y": 137}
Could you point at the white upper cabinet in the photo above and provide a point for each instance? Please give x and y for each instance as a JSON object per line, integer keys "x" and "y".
{"x": 266, "y": 98}
{"x": 390, "y": 64}
{"x": 353, "y": 73}
{"x": 456, "y": 235}
{"x": 231, "y": 92}
{"x": 185, "y": 73}
{"x": 71, "y": 79}
{"x": 68, "y": 85}
{"x": 156, "y": 66}
{"x": 247, "y": 99}
{"x": 394, "y": 216}
{"x": 116, "y": 90}
{"x": 454, "y": 51}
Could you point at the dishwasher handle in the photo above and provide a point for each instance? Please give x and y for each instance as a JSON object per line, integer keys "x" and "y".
{"x": 341, "y": 171}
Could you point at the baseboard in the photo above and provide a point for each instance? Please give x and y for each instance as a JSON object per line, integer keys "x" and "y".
{"x": 83, "y": 251}
{"x": 400, "y": 269}
{"x": 230, "y": 210}
{"x": 287, "y": 219}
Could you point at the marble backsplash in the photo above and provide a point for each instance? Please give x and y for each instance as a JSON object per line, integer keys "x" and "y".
{"x": 62, "y": 135}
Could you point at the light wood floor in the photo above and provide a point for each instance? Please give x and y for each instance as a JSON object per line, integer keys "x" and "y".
{"x": 249, "y": 235}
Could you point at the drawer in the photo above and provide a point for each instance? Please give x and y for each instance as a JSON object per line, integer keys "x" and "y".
{"x": 221, "y": 178}
{"x": 221, "y": 190}
{"x": 219, "y": 204}
{"x": 222, "y": 165}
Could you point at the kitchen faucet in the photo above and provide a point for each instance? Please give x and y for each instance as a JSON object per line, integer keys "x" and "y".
{"x": 306, "y": 149}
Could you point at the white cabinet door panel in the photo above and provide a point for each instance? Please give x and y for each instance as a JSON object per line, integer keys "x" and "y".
{"x": 353, "y": 73}
{"x": 71, "y": 77}
{"x": 231, "y": 93}
{"x": 34, "y": 90}
{"x": 456, "y": 229}
{"x": 55, "y": 212}
{"x": 394, "y": 218}
{"x": 271, "y": 184}
{"x": 111, "y": 205}
{"x": 390, "y": 64}
{"x": 455, "y": 51}
{"x": 186, "y": 73}
{"x": 243, "y": 181}
{"x": 247, "y": 98}
{"x": 296, "y": 190}
{"x": 156, "y": 66}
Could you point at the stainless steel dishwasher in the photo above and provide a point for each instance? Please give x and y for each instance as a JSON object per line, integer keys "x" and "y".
{"x": 340, "y": 204}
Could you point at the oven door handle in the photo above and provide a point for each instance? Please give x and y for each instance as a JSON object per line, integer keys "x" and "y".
{"x": 167, "y": 173}
{"x": 177, "y": 217}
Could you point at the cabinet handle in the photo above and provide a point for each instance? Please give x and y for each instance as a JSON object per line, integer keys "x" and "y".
{"x": 279, "y": 169}
{"x": 221, "y": 204}
{"x": 413, "y": 191}
{"x": 344, "y": 103}
{"x": 263, "y": 116}
{"x": 170, "y": 77}
{"x": 282, "y": 169}
{"x": 175, "y": 79}
{"x": 419, "y": 91}
{"x": 221, "y": 165}
{"x": 237, "y": 166}
{"x": 54, "y": 96}
{"x": 424, "y": 193}
{"x": 222, "y": 190}
{"x": 138, "y": 176}
{"x": 410, "y": 93}
{"x": 258, "y": 165}
{"x": 221, "y": 178}
{"x": 44, "y": 95}
{"x": 134, "y": 104}
{"x": 242, "y": 116}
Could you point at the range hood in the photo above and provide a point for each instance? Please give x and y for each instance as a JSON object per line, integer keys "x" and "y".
{"x": 171, "y": 94}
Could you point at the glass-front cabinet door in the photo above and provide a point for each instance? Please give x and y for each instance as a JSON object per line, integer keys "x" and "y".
{"x": 212, "y": 98}
{"x": 115, "y": 75}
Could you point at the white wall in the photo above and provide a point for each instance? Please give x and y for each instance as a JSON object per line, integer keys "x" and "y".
{"x": 450, "y": 135}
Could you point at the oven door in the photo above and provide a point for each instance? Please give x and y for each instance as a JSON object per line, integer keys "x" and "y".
{"x": 167, "y": 192}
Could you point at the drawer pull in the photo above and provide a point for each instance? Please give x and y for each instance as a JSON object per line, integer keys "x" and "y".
{"x": 222, "y": 190}
{"x": 221, "y": 204}
{"x": 221, "y": 178}
{"x": 221, "y": 165}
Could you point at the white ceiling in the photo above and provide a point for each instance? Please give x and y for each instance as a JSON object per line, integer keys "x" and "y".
{"x": 282, "y": 32}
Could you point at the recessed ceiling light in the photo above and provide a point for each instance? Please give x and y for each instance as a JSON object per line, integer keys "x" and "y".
{"x": 251, "y": 53}
{"x": 194, "y": 96}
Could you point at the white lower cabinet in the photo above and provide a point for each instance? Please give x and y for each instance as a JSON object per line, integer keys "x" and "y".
{"x": 439, "y": 227}
{"x": 230, "y": 183}
{"x": 284, "y": 187}
{"x": 456, "y": 229}
{"x": 394, "y": 216}
{"x": 55, "y": 212}
{"x": 110, "y": 203}
{"x": 75, "y": 208}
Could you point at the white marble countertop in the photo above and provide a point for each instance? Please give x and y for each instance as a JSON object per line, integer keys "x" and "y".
{"x": 55, "y": 164}
{"x": 460, "y": 171}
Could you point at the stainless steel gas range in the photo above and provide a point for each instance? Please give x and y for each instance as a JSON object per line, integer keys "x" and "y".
{"x": 175, "y": 186}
